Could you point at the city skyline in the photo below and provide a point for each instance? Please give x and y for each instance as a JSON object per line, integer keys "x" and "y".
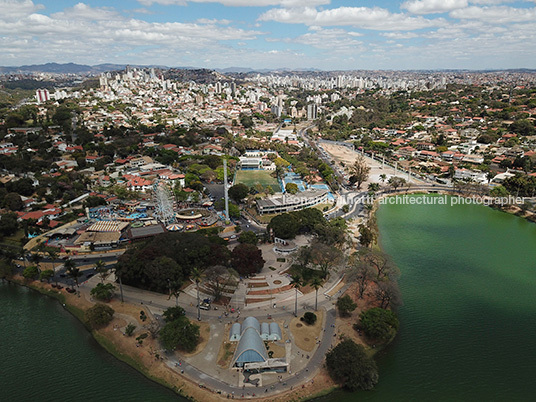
{"x": 295, "y": 34}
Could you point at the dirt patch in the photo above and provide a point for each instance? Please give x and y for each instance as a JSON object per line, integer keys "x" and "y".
{"x": 258, "y": 278}
{"x": 336, "y": 289}
{"x": 270, "y": 291}
{"x": 306, "y": 289}
{"x": 320, "y": 385}
{"x": 278, "y": 350}
{"x": 344, "y": 325}
{"x": 258, "y": 285}
{"x": 252, "y": 300}
{"x": 222, "y": 301}
{"x": 226, "y": 353}
{"x": 306, "y": 336}
{"x": 204, "y": 336}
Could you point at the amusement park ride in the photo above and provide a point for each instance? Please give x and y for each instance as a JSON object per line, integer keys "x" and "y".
{"x": 163, "y": 203}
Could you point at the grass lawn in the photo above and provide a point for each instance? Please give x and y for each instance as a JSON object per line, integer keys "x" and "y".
{"x": 252, "y": 177}
{"x": 15, "y": 239}
{"x": 322, "y": 207}
{"x": 305, "y": 336}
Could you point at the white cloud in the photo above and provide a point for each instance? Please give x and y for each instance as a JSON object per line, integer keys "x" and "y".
{"x": 83, "y": 32}
{"x": 433, "y": 6}
{"x": 242, "y": 3}
{"x": 14, "y": 10}
{"x": 492, "y": 2}
{"x": 496, "y": 15}
{"x": 338, "y": 38}
{"x": 400, "y": 35}
{"x": 335, "y": 40}
{"x": 213, "y": 21}
{"x": 363, "y": 17}
{"x": 82, "y": 11}
{"x": 141, "y": 11}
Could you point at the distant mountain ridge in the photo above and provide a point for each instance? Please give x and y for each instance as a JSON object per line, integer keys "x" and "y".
{"x": 67, "y": 68}
{"x": 74, "y": 68}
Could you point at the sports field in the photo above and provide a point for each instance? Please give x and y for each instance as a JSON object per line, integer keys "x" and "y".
{"x": 252, "y": 177}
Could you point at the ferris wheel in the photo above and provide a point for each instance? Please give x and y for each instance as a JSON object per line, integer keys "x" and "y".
{"x": 163, "y": 202}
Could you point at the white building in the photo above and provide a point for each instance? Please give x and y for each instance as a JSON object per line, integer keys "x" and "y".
{"x": 42, "y": 95}
{"x": 287, "y": 203}
{"x": 471, "y": 175}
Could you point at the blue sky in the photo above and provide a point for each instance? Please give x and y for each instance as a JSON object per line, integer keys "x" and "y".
{"x": 323, "y": 34}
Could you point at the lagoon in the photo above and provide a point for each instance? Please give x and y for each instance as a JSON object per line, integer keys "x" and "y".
{"x": 469, "y": 316}
{"x": 48, "y": 355}
{"x": 467, "y": 324}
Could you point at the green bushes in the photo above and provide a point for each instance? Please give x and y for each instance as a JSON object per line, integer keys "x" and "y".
{"x": 309, "y": 318}
{"x": 379, "y": 324}
{"x": 99, "y": 315}
{"x": 349, "y": 365}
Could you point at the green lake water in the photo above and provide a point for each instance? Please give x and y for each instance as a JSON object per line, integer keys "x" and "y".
{"x": 468, "y": 324}
{"x": 47, "y": 355}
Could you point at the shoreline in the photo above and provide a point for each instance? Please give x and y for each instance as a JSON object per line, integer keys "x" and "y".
{"x": 528, "y": 215}
{"x": 97, "y": 335}
{"x": 319, "y": 385}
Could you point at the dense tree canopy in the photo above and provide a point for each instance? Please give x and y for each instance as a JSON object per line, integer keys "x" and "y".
{"x": 284, "y": 226}
{"x": 173, "y": 313}
{"x": 288, "y": 225}
{"x": 521, "y": 185}
{"x": 180, "y": 334}
{"x": 248, "y": 237}
{"x": 379, "y": 324}
{"x": 13, "y": 202}
{"x": 8, "y": 224}
{"x": 172, "y": 256}
{"x": 291, "y": 188}
{"x": 350, "y": 366}
{"x": 345, "y": 305}
{"x": 31, "y": 272}
{"x": 238, "y": 192}
{"x": 103, "y": 292}
{"x": 247, "y": 259}
{"x": 99, "y": 315}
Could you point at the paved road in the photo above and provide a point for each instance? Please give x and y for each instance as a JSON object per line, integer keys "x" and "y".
{"x": 156, "y": 301}
{"x": 313, "y": 365}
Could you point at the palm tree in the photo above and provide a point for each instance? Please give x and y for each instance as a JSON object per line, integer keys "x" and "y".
{"x": 316, "y": 283}
{"x": 296, "y": 283}
{"x": 174, "y": 290}
{"x": 369, "y": 207}
{"x": 196, "y": 276}
{"x": 21, "y": 253}
{"x": 36, "y": 258}
{"x": 373, "y": 187}
{"x": 117, "y": 270}
{"x": 72, "y": 270}
{"x": 102, "y": 270}
{"x": 53, "y": 254}
{"x": 383, "y": 177}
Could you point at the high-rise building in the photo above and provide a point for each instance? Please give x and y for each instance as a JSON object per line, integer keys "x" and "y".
{"x": 312, "y": 111}
{"x": 103, "y": 81}
{"x": 233, "y": 89}
{"x": 42, "y": 95}
{"x": 276, "y": 110}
